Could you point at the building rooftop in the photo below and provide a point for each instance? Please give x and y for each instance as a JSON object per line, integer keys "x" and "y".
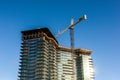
{"x": 79, "y": 50}
{"x": 83, "y": 51}
{"x": 45, "y": 30}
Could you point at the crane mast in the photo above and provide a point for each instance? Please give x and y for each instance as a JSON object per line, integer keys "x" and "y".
{"x": 72, "y": 45}
{"x": 72, "y": 34}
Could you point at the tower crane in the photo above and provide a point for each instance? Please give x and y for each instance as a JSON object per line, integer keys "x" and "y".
{"x": 71, "y": 28}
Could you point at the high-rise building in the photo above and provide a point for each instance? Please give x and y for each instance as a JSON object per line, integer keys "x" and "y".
{"x": 64, "y": 64}
{"x": 81, "y": 62}
{"x": 84, "y": 64}
{"x": 43, "y": 59}
{"x": 38, "y": 55}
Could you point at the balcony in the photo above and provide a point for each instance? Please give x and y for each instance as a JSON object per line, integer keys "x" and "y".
{"x": 42, "y": 56}
{"x": 41, "y": 63}
{"x": 24, "y": 53}
{"x": 42, "y": 49}
{"x": 23, "y": 58}
{"x": 42, "y": 59}
{"x": 24, "y": 43}
{"x": 42, "y": 52}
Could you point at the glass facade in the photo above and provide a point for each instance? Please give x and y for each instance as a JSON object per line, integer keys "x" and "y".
{"x": 38, "y": 57}
{"x": 84, "y": 65}
{"x": 64, "y": 65}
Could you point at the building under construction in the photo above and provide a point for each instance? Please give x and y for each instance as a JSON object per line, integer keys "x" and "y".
{"x": 42, "y": 58}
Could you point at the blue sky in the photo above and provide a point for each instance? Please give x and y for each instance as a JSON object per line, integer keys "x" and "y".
{"x": 100, "y": 32}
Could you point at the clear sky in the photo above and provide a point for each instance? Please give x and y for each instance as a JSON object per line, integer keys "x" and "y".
{"x": 100, "y": 32}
